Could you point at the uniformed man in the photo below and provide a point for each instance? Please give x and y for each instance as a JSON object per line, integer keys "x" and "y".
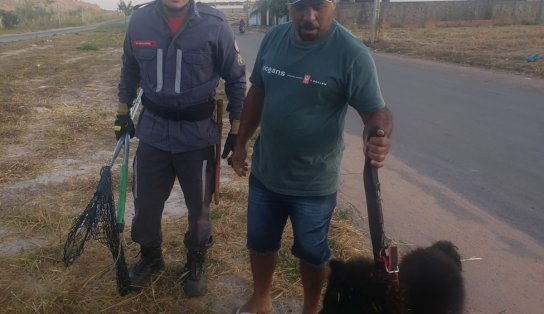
{"x": 176, "y": 51}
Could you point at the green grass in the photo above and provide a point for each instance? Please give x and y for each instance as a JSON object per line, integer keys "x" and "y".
{"x": 88, "y": 47}
{"x": 288, "y": 264}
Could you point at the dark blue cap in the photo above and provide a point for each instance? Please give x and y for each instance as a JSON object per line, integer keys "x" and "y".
{"x": 297, "y": 1}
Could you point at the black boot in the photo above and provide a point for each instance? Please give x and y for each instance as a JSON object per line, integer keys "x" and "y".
{"x": 150, "y": 263}
{"x": 195, "y": 282}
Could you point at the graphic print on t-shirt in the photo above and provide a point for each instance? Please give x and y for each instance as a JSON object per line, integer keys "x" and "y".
{"x": 304, "y": 78}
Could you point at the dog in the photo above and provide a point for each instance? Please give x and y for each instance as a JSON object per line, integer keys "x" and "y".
{"x": 429, "y": 281}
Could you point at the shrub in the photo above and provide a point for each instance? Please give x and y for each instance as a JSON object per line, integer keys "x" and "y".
{"x": 8, "y": 19}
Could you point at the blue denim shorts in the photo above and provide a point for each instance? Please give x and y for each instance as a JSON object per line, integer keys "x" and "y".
{"x": 310, "y": 218}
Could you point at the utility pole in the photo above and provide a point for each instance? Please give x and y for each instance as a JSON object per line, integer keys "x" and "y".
{"x": 540, "y": 16}
{"x": 375, "y": 19}
{"x": 58, "y": 13}
{"x": 247, "y": 12}
{"x": 267, "y": 14}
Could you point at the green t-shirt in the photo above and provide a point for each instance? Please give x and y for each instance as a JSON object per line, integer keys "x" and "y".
{"x": 307, "y": 89}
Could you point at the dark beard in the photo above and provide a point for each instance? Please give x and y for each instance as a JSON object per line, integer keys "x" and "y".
{"x": 307, "y": 37}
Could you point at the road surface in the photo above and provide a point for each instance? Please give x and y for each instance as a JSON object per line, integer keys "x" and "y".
{"x": 52, "y": 32}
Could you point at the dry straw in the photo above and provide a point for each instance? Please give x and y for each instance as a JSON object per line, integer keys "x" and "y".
{"x": 54, "y": 136}
{"x": 56, "y": 115}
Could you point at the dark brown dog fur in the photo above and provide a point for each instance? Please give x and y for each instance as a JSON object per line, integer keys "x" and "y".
{"x": 430, "y": 282}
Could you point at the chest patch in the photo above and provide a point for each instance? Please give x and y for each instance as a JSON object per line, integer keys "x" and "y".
{"x": 144, "y": 43}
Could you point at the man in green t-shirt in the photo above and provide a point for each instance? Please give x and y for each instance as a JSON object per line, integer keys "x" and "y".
{"x": 306, "y": 73}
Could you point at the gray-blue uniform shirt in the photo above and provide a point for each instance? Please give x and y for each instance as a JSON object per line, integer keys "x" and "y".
{"x": 180, "y": 70}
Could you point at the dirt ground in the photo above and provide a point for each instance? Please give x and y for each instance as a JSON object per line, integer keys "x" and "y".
{"x": 57, "y": 98}
{"x": 56, "y": 115}
{"x": 419, "y": 211}
{"x": 501, "y": 48}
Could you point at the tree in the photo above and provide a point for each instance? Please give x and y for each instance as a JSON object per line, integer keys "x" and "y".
{"x": 125, "y": 8}
{"x": 48, "y": 4}
{"x": 26, "y": 10}
{"x": 276, "y": 8}
{"x": 9, "y": 19}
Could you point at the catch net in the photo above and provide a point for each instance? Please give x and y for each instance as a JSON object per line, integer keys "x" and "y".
{"x": 98, "y": 221}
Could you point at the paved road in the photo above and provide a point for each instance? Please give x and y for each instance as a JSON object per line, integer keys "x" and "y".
{"x": 51, "y": 32}
{"x": 478, "y": 132}
{"x": 467, "y": 165}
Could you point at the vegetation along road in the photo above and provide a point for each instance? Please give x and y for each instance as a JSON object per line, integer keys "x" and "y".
{"x": 54, "y": 32}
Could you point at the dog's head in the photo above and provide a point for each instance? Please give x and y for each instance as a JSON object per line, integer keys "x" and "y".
{"x": 431, "y": 280}
{"x": 450, "y": 250}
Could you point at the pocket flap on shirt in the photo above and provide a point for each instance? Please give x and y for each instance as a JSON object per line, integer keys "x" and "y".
{"x": 195, "y": 58}
{"x": 145, "y": 53}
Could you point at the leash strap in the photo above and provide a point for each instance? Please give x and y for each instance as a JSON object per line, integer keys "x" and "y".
{"x": 390, "y": 259}
{"x": 383, "y": 253}
{"x": 374, "y": 204}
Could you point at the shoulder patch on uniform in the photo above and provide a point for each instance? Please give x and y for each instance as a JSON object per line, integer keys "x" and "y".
{"x": 239, "y": 58}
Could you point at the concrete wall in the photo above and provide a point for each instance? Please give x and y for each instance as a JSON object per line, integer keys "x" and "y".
{"x": 418, "y": 13}
{"x": 518, "y": 11}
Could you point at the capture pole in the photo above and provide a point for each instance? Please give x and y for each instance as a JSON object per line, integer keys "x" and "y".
{"x": 219, "y": 121}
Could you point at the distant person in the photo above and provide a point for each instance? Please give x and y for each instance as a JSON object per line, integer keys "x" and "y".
{"x": 176, "y": 51}
{"x": 242, "y": 26}
{"x": 306, "y": 74}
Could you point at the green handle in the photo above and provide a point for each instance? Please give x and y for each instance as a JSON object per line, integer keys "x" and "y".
{"x": 122, "y": 195}
{"x": 123, "y": 187}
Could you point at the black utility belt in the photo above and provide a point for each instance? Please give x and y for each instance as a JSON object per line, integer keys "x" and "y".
{"x": 192, "y": 113}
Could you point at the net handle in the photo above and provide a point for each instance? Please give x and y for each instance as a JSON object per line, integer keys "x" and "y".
{"x": 123, "y": 187}
{"x": 121, "y": 141}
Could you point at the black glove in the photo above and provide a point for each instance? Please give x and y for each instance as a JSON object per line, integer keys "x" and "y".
{"x": 123, "y": 125}
{"x": 231, "y": 138}
{"x": 229, "y": 145}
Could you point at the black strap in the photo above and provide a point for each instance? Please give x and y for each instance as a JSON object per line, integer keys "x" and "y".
{"x": 192, "y": 113}
{"x": 374, "y": 204}
{"x": 384, "y": 254}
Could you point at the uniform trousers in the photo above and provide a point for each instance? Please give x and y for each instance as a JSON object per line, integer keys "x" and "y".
{"x": 155, "y": 172}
